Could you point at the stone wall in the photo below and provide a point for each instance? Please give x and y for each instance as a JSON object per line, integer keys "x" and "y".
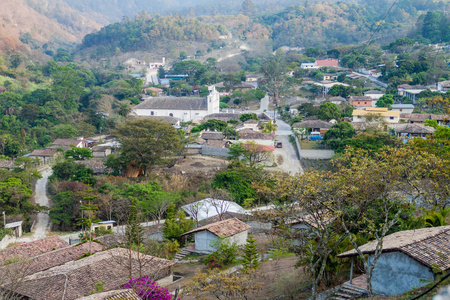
{"x": 313, "y": 153}
{"x": 8, "y": 239}
{"x": 215, "y": 151}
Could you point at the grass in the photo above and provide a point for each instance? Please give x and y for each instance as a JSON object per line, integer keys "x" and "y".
{"x": 306, "y": 144}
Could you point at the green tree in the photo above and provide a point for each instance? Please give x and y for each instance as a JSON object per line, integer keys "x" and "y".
{"x": 385, "y": 101}
{"x": 248, "y": 116}
{"x": 176, "y": 224}
{"x": 67, "y": 87}
{"x": 161, "y": 72}
{"x": 61, "y": 212}
{"x": 274, "y": 76}
{"x": 337, "y": 133}
{"x": 79, "y": 153}
{"x": 329, "y": 111}
{"x": 251, "y": 254}
{"x": 134, "y": 232}
{"x": 147, "y": 142}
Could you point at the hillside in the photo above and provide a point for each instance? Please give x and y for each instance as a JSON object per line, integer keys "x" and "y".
{"x": 32, "y": 21}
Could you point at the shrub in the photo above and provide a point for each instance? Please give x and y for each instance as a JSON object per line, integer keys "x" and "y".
{"x": 225, "y": 254}
{"x": 148, "y": 289}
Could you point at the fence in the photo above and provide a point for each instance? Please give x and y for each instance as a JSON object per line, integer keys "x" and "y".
{"x": 313, "y": 153}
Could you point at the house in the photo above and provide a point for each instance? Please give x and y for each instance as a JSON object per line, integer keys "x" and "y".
{"x": 128, "y": 294}
{"x": 185, "y": 108}
{"x": 374, "y": 94}
{"x": 7, "y": 164}
{"x": 155, "y": 92}
{"x": 403, "y": 108}
{"x": 391, "y": 117}
{"x": 309, "y": 65}
{"x": 97, "y": 165}
{"x": 311, "y": 221}
{"x": 212, "y": 135}
{"x": 327, "y": 85}
{"x": 313, "y": 125}
{"x": 108, "y": 225}
{"x": 361, "y": 102}
{"x": 412, "y": 91}
{"x": 253, "y": 78}
{"x": 408, "y": 259}
{"x": 330, "y": 76}
{"x": 102, "y": 151}
{"x": 443, "y": 86}
{"x": 223, "y": 116}
{"x": 156, "y": 65}
{"x": 67, "y": 144}
{"x": 442, "y": 120}
{"x": 259, "y": 138}
{"x": 232, "y": 230}
{"x": 16, "y": 227}
{"x": 45, "y": 155}
{"x": 411, "y": 130}
{"x": 78, "y": 278}
{"x": 210, "y": 207}
{"x": 330, "y": 63}
{"x": 249, "y": 124}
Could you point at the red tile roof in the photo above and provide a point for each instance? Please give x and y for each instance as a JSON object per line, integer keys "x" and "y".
{"x": 429, "y": 246}
{"x": 327, "y": 63}
{"x": 225, "y": 228}
{"x": 32, "y": 249}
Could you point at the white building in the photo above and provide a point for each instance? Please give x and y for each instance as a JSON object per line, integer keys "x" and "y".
{"x": 374, "y": 94}
{"x": 403, "y": 108}
{"x": 391, "y": 117}
{"x": 232, "y": 230}
{"x": 209, "y": 207}
{"x": 185, "y": 108}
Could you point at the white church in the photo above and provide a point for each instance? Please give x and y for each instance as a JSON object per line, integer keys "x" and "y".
{"x": 184, "y": 108}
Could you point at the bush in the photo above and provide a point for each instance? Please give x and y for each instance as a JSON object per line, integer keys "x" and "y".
{"x": 148, "y": 289}
{"x": 223, "y": 256}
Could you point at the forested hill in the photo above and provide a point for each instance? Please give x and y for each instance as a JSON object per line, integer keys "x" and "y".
{"x": 328, "y": 24}
{"x": 25, "y": 21}
{"x": 144, "y": 32}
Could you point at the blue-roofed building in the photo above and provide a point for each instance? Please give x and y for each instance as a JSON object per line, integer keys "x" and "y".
{"x": 403, "y": 108}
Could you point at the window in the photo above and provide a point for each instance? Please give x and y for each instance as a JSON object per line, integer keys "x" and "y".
{"x": 391, "y": 118}
{"x": 359, "y": 102}
{"x": 152, "y": 113}
{"x": 171, "y": 115}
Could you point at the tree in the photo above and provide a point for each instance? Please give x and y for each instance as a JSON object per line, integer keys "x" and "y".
{"x": 147, "y": 142}
{"x": 236, "y": 150}
{"x": 385, "y": 101}
{"x": 248, "y": 116}
{"x": 79, "y": 153}
{"x": 329, "y": 111}
{"x": 255, "y": 153}
{"x": 176, "y": 224}
{"x": 67, "y": 87}
{"x": 161, "y": 72}
{"x": 274, "y": 78}
{"x": 147, "y": 289}
{"x": 89, "y": 216}
{"x": 61, "y": 212}
{"x": 248, "y": 8}
{"x": 341, "y": 90}
{"x": 134, "y": 232}
{"x": 337, "y": 133}
{"x": 251, "y": 254}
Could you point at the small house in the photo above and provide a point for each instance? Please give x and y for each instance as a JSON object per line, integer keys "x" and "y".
{"x": 7, "y": 164}
{"x": 408, "y": 131}
{"x": 108, "y": 225}
{"x": 16, "y": 227}
{"x": 403, "y": 108}
{"x": 45, "y": 155}
{"x": 260, "y": 138}
{"x": 312, "y": 126}
{"x": 360, "y": 102}
{"x": 408, "y": 259}
{"x": 232, "y": 230}
{"x": 374, "y": 94}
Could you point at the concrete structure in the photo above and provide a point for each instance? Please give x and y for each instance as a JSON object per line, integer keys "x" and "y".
{"x": 231, "y": 230}
{"x": 309, "y": 66}
{"x": 391, "y": 117}
{"x": 184, "y": 108}
{"x": 408, "y": 259}
{"x": 260, "y": 138}
{"x": 16, "y": 227}
{"x": 108, "y": 225}
{"x": 403, "y": 108}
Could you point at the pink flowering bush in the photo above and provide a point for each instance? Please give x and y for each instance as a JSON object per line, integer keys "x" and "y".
{"x": 148, "y": 289}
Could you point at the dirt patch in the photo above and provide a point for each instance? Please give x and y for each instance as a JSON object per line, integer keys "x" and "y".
{"x": 195, "y": 165}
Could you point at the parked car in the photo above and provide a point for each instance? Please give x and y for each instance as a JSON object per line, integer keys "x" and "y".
{"x": 315, "y": 136}
{"x": 279, "y": 145}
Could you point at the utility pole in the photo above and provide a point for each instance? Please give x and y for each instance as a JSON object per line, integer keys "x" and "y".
{"x": 4, "y": 219}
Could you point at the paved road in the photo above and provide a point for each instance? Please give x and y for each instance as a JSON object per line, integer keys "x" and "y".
{"x": 43, "y": 218}
{"x": 291, "y": 163}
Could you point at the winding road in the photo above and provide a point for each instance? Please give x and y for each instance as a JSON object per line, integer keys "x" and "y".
{"x": 291, "y": 163}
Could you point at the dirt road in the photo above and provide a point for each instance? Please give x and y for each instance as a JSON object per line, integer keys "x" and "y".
{"x": 291, "y": 163}
{"x": 43, "y": 218}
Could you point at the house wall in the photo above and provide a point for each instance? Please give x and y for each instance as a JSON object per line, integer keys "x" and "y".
{"x": 240, "y": 238}
{"x": 396, "y": 273}
{"x": 374, "y": 96}
{"x": 215, "y": 151}
{"x": 259, "y": 142}
{"x": 203, "y": 241}
{"x": 404, "y": 110}
{"x": 185, "y": 116}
